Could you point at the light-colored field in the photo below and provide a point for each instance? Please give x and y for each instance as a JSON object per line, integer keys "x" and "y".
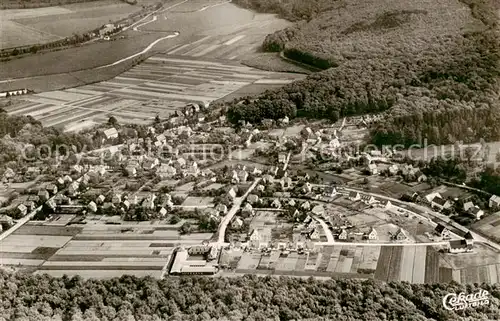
{"x": 35, "y": 241}
{"x": 39, "y": 25}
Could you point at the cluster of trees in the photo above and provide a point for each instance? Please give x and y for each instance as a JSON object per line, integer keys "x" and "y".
{"x": 41, "y": 297}
{"x": 432, "y": 77}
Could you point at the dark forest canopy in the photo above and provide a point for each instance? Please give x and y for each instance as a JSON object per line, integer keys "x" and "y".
{"x": 433, "y": 68}
{"x": 41, "y": 297}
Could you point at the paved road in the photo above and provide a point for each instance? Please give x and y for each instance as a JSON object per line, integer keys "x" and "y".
{"x": 229, "y": 216}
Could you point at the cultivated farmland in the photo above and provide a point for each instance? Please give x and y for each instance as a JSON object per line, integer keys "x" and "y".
{"x": 25, "y": 27}
{"x": 160, "y": 85}
{"x": 96, "y": 249}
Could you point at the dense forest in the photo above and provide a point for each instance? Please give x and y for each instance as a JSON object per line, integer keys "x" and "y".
{"x": 41, "y": 297}
{"x": 433, "y": 68}
{"x": 17, "y": 133}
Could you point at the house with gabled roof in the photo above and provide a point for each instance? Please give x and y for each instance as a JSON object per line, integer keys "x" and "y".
{"x": 494, "y": 202}
{"x": 401, "y": 235}
{"x": 306, "y": 205}
{"x": 442, "y": 231}
{"x": 460, "y": 246}
{"x": 43, "y": 194}
{"x": 330, "y": 191}
{"x": 354, "y": 196}
{"x": 286, "y": 183}
{"x": 247, "y": 209}
{"x": 276, "y": 203}
{"x": 252, "y": 199}
{"x": 318, "y": 210}
{"x": 368, "y": 199}
{"x": 237, "y": 223}
{"x": 343, "y": 235}
{"x": 372, "y": 234}
{"x": 440, "y": 203}
{"x": 92, "y": 207}
{"x": 221, "y": 209}
{"x": 232, "y": 193}
{"x": 22, "y": 209}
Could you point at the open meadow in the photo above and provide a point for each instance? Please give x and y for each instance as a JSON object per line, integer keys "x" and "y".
{"x": 22, "y": 27}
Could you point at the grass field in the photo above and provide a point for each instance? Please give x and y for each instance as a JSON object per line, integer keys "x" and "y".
{"x": 39, "y": 25}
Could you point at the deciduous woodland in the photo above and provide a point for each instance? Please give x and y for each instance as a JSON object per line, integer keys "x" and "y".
{"x": 431, "y": 66}
{"x": 35, "y": 297}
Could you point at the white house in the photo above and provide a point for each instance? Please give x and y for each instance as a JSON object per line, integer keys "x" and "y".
{"x": 276, "y": 203}
{"x": 372, "y": 234}
{"x": 330, "y": 191}
{"x": 286, "y": 182}
{"x": 306, "y": 205}
{"x": 237, "y": 223}
{"x": 373, "y": 169}
{"x": 494, "y": 202}
{"x": 92, "y": 207}
{"x": 343, "y": 235}
{"x": 221, "y": 209}
{"x": 476, "y": 211}
{"x": 354, "y": 196}
{"x": 110, "y": 133}
{"x": 252, "y": 198}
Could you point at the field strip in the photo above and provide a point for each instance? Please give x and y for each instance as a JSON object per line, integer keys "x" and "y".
{"x": 273, "y": 81}
{"x": 177, "y": 49}
{"x": 214, "y": 5}
{"x": 206, "y": 50}
{"x": 189, "y": 44}
{"x": 36, "y": 30}
{"x": 79, "y": 90}
{"x": 493, "y": 273}
{"x": 25, "y": 110}
{"x": 408, "y": 257}
{"x": 234, "y": 40}
{"x": 24, "y": 262}
{"x": 455, "y": 274}
{"x": 164, "y": 85}
{"x": 66, "y": 119}
{"x": 151, "y": 45}
{"x": 171, "y": 96}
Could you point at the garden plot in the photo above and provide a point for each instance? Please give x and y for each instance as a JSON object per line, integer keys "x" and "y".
{"x": 198, "y": 201}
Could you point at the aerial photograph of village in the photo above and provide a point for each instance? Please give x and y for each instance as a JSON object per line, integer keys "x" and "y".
{"x": 249, "y": 160}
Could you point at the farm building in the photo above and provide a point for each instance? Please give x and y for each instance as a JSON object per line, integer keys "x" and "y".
{"x": 494, "y": 202}
{"x": 182, "y": 266}
{"x": 343, "y": 235}
{"x": 372, "y": 234}
{"x": 442, "y": 231}
{"x": 460, "y": 246}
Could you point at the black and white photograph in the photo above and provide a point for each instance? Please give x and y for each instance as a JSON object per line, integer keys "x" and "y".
{"x": 249, "y": 160}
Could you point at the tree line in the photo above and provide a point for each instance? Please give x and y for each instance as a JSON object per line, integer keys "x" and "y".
{"x": 41, "y": 297}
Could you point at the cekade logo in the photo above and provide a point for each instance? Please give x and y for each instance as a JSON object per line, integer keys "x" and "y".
{"x": 453, "y": 301}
